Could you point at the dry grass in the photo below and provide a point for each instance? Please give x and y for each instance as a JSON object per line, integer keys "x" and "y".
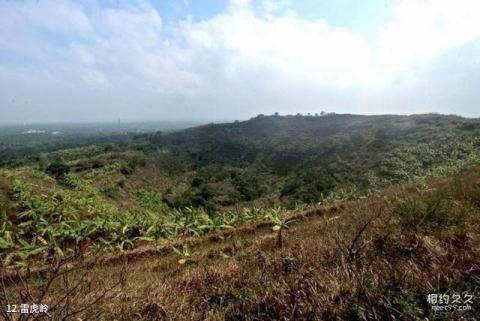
{"x": 372, "y": 259}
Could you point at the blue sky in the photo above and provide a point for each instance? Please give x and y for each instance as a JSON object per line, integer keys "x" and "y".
{"x": 228, "y": 59}
{"x": 363, "y": 16}
{"x": 345, "y": 13}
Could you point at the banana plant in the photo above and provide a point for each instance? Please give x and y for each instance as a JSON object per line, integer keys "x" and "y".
{"x": 6, "y": 241}
{"x": 224, "y": 222}
{"x": 28, "y": 250}
{"x": 183, "y": 254}
{"x": 187, "y": 222}
{"x": 280, "y": 223}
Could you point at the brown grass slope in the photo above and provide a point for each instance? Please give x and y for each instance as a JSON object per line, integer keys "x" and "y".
{"x": 370, "y": 259}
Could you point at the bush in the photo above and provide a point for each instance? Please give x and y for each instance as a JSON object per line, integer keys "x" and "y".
{"x": 434, "y": 210}
{"x": 127, "y": 169}
{"x": 475, "y": 197}
{"x": 112, "y": 191}
{"x": 57, "y": 169}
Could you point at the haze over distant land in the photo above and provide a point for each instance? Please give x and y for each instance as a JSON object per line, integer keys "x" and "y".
{"x": 211, "y": 60}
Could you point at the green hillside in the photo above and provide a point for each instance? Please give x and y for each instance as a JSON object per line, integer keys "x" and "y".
{"x": 149, "y": 187}
{"x": 302, "y": 159}
{"x": 352, "y": 200}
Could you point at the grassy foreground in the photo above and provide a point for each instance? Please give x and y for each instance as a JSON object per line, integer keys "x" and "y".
{"x": 371, "y": 259}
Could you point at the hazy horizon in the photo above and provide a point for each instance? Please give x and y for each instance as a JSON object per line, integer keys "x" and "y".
{"x": 92, "y": 61}
{"x": 186, "y": 122}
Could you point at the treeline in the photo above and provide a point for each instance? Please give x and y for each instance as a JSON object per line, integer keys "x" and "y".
{"x": 301, "y": 159}
{"x": 268, "y": 160}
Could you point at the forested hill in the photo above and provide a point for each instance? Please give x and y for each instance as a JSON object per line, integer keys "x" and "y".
{"x": 280, "y": 130}
{"x": 192, "y": 181}
{"x": 306, "y": 157}
{"x": 267, "y": 160}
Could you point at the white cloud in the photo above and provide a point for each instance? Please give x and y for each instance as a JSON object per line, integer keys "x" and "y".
{"x": 95, "y": 78}
{"x": 285, "y": 46}
{"x": 237, "y": 63}
{"x": 54, "y": 16}
{"x": 83, "y": 54}
{"x": 240, "y": 5}
{"x": 423, "y": 30}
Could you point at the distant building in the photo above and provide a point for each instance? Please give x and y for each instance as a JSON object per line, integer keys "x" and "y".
{"x": 33, "y": 131}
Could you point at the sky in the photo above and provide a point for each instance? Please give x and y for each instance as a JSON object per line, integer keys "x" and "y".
{"x": 223, "y": 60}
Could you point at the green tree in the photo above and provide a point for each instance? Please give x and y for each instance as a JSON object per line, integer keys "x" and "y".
{"x": 57, "y": 169}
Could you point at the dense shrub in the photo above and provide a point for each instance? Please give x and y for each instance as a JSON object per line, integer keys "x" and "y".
{"x": 436, "y": 210}
{"x": 57, "y": 169}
